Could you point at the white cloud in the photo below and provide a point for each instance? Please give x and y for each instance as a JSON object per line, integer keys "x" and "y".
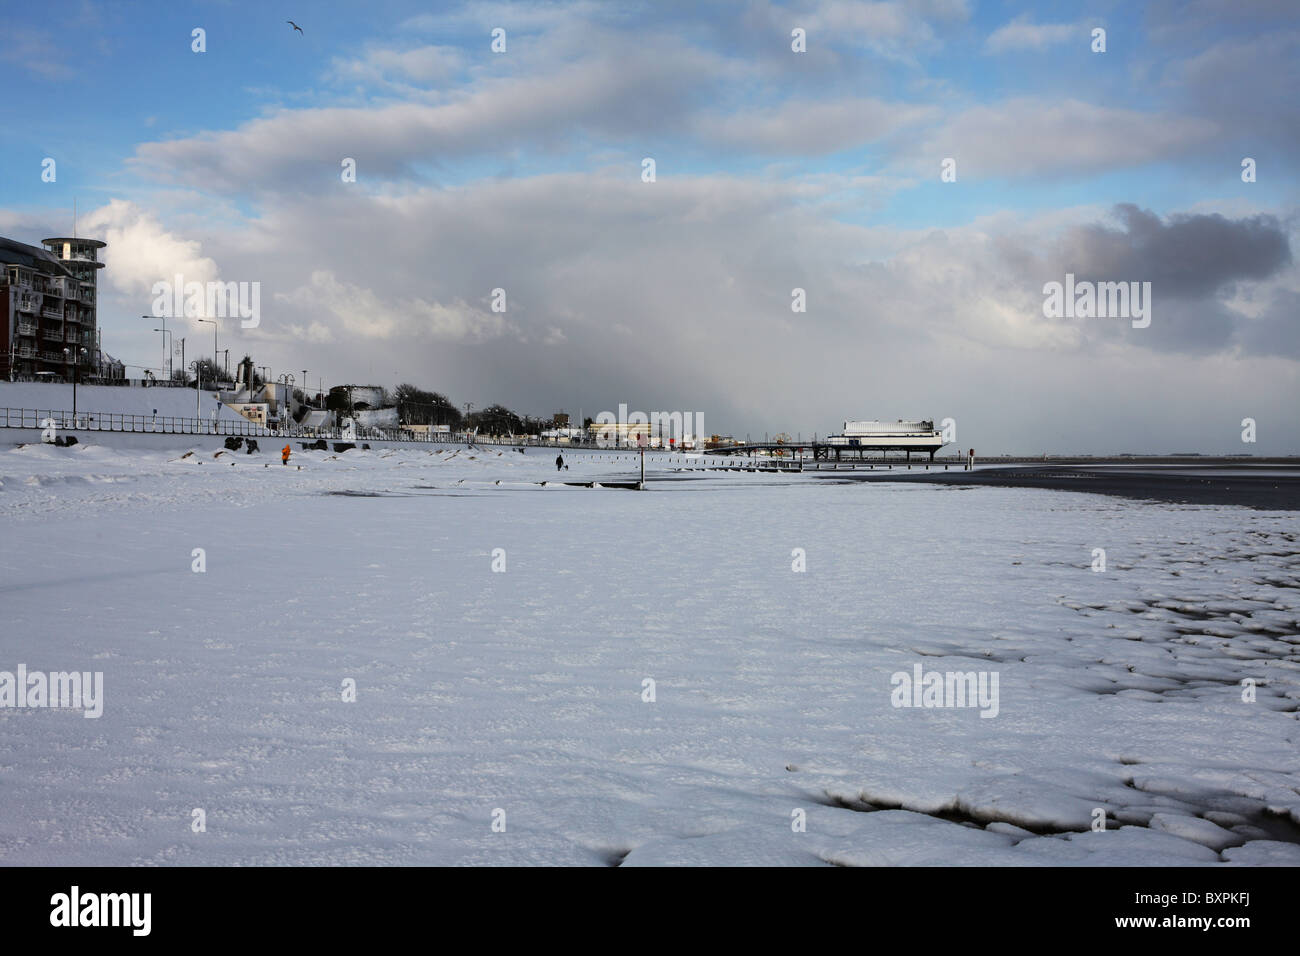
{"x": 141, "y": 251}
{"x": 627, "y": 90}
{"x": 35, "y": 51}
{"x": 361, "y": 314}
{"x": 423, "y": 66}
{"x": 893, "y": 30}
{"x": 811, "y": 128}
{"x": 1030, "y": 136}
{"x": 1021, "y": 34}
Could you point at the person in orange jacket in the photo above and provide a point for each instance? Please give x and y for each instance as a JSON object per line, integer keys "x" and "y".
{"x": 284, "y": 455}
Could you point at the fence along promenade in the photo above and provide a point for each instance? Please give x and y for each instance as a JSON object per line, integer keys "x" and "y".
{"x": 173, "y": 425}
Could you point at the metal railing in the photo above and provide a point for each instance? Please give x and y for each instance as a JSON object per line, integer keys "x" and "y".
{"x": 121, "y": 422}
{"x": 143, "y": 382}
{"x": 172, "y": 425}
{"x": 176, "y": 425}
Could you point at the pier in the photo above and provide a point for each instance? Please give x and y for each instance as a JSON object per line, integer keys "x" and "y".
{"x": 836, "y": 451}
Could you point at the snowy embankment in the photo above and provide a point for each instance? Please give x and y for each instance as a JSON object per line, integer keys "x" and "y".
{"x": 115, "y": 400}
{"x": 524, "y": 691}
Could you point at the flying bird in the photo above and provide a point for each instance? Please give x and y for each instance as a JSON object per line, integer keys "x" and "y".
{"x": 295, "y": 26}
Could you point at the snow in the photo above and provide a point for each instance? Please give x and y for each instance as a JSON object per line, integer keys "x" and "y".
{"x": 113, "y": 399}
{"x": 523, "y": 690}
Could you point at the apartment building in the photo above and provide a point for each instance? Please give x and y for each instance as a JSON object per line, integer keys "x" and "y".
{"x": 48, "y": 325}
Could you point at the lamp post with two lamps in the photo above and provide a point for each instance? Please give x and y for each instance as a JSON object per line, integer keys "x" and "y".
{"x": 74, "y": 355}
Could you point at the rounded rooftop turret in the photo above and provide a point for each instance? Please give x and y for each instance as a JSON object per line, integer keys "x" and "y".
{"x": 75, "y": 249}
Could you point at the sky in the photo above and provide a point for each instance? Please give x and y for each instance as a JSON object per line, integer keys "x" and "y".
{"x": 523, "y": 169}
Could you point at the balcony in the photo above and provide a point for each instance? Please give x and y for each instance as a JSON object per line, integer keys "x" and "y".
{"x": 52, "y": 313}
{"x": 52, "y": 335}
{"x": 26, "y": 352}
{"x": 26, "y": 328}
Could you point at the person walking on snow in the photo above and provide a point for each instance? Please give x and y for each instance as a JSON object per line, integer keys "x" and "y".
{"x": 284, "y": 455}
{"x": 559, "y": 462}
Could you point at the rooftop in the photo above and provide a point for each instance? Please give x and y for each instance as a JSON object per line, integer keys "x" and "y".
{"x": 97, "y": 243}
{"x": 13, "y": 252}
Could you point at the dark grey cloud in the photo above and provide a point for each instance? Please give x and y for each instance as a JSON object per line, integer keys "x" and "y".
{"x": 1183, "y": 256}
{"x": 1194, "y": 262}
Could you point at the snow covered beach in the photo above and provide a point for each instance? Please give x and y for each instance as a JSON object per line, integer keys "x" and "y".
{"x": 519, "y": 695}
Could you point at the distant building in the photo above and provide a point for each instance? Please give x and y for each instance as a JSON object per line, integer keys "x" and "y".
{"x": 47, "y": 309}
{"x": 377, "y": 417}
{"x": 623, "y": 434}
{"x": 111, "y": 371}
{"x": 360, "y": 397}
{"x": 860, "y": 437}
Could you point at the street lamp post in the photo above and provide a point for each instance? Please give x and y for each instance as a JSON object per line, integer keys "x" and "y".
{"x": 163, "y": 329}
{"x": 198, "y": 381}
{"x": 167, "y": 344}
{"x": 75, "y": 355}
{"x": 213, "y": 323}
{"x": 286, "y": 380}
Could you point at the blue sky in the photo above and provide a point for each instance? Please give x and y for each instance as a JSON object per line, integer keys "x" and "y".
{"x": 115, "y": 75}
{"x": 522, "y": 170}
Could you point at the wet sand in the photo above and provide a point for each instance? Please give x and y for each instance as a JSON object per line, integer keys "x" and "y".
{"x": 1277, "y": 488}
